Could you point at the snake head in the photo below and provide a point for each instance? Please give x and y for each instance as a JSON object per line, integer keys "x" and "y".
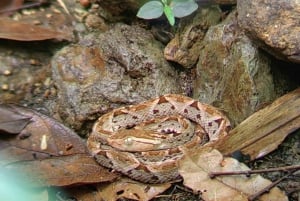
{"x": 134, "y": 141}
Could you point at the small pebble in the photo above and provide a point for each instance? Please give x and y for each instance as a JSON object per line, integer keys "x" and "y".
{"x": 33, "y": 61}
{"x": 47, "y": 82}
{"x": 7, "y": 72}
{"x": 49, "y": 15}
{"x": 79, "y": 27}
{"x": 39, "y": 100}
{"x": 4, "y": 87}
{"x": 37, "y": 22}
{"x": 95, "y": 6}
{"x": 53, "y": 91}
{"x": 47, "y": 93}
{"x": 85, "y": 3}
{"x": 37, "y": 84}
{"x": 28, "y": 12}
{"x": 55, "y": 10}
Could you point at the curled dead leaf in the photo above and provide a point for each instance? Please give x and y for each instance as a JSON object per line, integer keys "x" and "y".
{"x": 195, "y": 169}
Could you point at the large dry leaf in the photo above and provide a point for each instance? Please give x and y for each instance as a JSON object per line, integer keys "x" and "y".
{"x": 61, "y": 171}
{"x": 49, "y": 152}
{"x": 126, "y": 188}
{"x": 21, "y": 31}
{"x": 195, "y": 171}
{"x": 42, "y": 138}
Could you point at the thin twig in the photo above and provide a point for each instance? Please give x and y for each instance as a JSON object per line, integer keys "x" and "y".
{"x": 249, "y": 172}
{"x": 269, "y": 187}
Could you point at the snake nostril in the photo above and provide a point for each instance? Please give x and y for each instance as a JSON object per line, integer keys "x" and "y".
{"x": 130, "y": 126}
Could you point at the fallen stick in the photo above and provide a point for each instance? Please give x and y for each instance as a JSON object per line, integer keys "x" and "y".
{"x": 264, "y": 130}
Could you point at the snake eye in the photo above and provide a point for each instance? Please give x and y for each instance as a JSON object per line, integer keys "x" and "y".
{"x": 128, "y": 141}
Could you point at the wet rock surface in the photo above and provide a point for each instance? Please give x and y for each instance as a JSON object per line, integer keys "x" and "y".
{"x": 274, "y": 25}
{"x": 122, "y": 66}
{"x": 232, "y": 73}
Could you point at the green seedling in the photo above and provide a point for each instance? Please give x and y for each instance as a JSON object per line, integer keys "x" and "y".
{"x": 171, "y": 9}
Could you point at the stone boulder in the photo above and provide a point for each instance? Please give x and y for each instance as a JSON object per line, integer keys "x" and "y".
{"x": 185, "y": 47}
{"x": 274, "y": 25}
{"x": 232, "y": 73}
{"x": 122, "y": 66}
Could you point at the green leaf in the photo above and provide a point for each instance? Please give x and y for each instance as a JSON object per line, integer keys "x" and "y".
{"x": 182, "y": 8}
{"x": 151, "y": 10}
{"x": 169, "y": 14}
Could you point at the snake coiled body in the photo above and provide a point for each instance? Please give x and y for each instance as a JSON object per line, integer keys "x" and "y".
{"x": 145, "y": 141}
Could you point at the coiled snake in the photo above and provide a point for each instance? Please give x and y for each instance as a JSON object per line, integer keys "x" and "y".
{"x": 145, "y": 141}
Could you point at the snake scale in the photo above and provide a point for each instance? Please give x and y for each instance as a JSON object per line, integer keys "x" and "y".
{"x": 145, "y": 141}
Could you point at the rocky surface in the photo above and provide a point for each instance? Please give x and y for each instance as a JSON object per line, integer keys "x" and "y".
{"x": 115, "y": 10}
{"x": 274, "y": 25}
{"x": 185, "y": 47}
{"x": 25, "y": 75}
{"x": 112, "y": 65}
{"x": 232, "y": 73}
{"x": 124, "y": 65}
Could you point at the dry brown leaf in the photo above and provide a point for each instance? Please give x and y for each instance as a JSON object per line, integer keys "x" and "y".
{"x": 195, "y": 169}
{"x": 48, "y": 153}
{"x": 126, "y": 188}
{"x": 21, "y": 31}
{"x": 62, "y": 171}
{"x": 42, "y": 138}
{"x": 113, "y": 191}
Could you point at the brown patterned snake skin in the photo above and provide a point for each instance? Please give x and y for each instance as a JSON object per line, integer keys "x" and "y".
{"x": 145, "y": 141}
